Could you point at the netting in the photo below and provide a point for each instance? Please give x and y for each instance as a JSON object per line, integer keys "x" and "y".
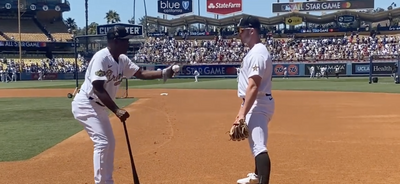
{"x": 123, "y": 89}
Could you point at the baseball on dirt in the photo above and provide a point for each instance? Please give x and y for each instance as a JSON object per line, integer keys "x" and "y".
{"x": 175, "y": 68}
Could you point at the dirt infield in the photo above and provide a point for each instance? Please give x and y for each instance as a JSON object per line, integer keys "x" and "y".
{"x": 315, "y": 138}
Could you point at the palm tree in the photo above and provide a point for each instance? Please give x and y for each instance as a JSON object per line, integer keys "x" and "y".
{"x": 112, "y": 17}
{"x": 71, "y": 23}
{"x": 92, "y": 28}
{"x": 132, "y": 20}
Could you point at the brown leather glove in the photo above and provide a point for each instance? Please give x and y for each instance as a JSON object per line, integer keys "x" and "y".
{"x": 239, "y": 131}
{"x": 122, "y": 114}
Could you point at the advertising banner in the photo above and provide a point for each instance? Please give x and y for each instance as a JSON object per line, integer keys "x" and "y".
{"x": 23, "y": 44}
{"x": 331, "y": 67}
{"x": 292, "y": 21}
{"x": 206, "y": 70}
{"x": 224, "y": 7}
{"x": 66, "y": 76}
{"x": 26, "y": 76}
{"x": 130, "y": 29}
{"x": 328, "y": 5}
{"x": 175, "y": 7}
{"x": 292, "y": 69}
{"x": 378, "y": 68}
{"x": 346, "y": 19}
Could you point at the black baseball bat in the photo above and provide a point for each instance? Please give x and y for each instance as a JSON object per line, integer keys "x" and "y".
{"x": 134, "y": 172}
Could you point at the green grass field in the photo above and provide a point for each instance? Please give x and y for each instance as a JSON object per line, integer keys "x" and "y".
{"x": 26, "y": 132}
{"x": 29, "y": 126}
{"x": 357, "y": 84}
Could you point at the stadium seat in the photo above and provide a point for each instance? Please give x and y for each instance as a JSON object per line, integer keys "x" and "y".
{"x": 29, "y": 30}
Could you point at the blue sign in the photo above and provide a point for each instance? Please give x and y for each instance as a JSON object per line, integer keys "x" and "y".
{"x": 175, "y": 7}
{"x": 346, "y": 18}
{"x": 130, "y": 29}
{"x": 377, "y": 68}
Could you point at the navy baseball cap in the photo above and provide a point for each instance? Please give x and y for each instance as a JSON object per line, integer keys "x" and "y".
{"x": 249, "y": 22}
{"x": 118, "y": 33}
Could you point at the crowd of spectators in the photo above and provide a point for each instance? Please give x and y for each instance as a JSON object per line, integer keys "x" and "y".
{"x": 351, "y": 47}
{"x": 191, "y": 51}
{"x": 56, "y": 65}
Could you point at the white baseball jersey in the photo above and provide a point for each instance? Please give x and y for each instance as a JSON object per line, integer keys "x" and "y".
{"x": 104, "y": 67}
{"x": 196, "y": 73}
{"x": 257, "y": 62}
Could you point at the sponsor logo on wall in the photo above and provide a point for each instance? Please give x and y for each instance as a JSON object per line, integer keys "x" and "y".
{"x": 292, "y": 69}
{"x": 346, "y": 18}
{"x": 130, "y": 29}
{"x": 292, "y": 21}
{"x": 224, "y": 7}
{"x": 322, "y": 6}
{"x": 175, "y": 7}
{"x": 377, "y": 68}
{"x": 331, "y": 67}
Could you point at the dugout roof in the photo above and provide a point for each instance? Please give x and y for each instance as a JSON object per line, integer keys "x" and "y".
{"x": 323, "y": 19}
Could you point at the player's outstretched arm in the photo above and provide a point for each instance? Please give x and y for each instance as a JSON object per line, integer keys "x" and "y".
{"x": 165, "y": 74}
{"x": 133, "y": 70}
{"x": 143, "y": 74}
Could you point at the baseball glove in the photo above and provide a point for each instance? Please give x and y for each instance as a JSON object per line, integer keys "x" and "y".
{"x": 239, "y": 131}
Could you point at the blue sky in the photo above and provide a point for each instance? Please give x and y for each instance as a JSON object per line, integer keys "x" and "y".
{"x": 98, "y": 9}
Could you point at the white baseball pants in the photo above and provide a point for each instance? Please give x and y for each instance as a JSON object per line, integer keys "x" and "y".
{"x": 96, "y": 122}
{"x": 257, "y": 121}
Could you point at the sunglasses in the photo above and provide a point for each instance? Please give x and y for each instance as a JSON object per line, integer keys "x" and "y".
{"x": 241, "y": 29}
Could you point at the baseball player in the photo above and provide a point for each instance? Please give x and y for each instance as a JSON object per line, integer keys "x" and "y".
{"x": 40, "y": 74}
{"x": 258, "y": 106}
{"x": 337, "y": 71}
{"x": 2, "y": 75}
{"x": 196, "y": 75}
{"x": 97, "y": 94}
{"x": 14, "y": 75}
{"x": 285, "y": 74}
{"x": 237, "y": 74}
{"x": 323, "y": 70}
{"x": 312, "y": 72}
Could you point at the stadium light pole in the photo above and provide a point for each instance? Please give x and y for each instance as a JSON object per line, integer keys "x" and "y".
{"x": 134, "y": 12}
{"x": 19, "y": 35}
{"x": 145, "y": 16}
{"x": 86, "y": 24}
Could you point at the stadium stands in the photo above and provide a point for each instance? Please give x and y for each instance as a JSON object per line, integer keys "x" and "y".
{"x": 353, "y": 47}
{"x": 29, "y": 30}
{"x": 57, "y": 29}
{"x": 46, "y": 30}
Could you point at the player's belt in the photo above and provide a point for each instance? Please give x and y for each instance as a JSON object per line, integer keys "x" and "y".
{"x": 98, "y": 103}
{"x": 265, "y": 95}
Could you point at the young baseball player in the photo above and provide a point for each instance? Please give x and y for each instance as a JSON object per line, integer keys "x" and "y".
{"x": 97, "y": 94}
{"x": 312, "y": 72}
{"x": 285, "y": 74}
{"x": 2, "y": 75}
{"x": 196, "y": 75}
{"x": 258, "y": 106}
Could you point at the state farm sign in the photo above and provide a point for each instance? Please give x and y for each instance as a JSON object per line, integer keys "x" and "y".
{"x": 224, "y": 7}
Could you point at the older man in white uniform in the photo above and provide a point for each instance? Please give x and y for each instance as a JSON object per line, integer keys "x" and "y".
{"x": 97, "y": 93}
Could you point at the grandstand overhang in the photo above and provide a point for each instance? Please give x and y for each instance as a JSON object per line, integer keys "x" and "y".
{"x": 34, "y": 6}
{"x": 323, "y": 19}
